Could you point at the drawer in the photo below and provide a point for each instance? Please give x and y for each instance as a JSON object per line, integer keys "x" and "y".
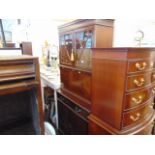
{"x": 17, "y": 71}
{"x": 138, "y": 81}
{"x": 137, "y": 114}
{"x": 137, "y": 98}
{"x": 141, "y": 53}
{"x": 142, "y": 65}
{"x": 17, "y": 68}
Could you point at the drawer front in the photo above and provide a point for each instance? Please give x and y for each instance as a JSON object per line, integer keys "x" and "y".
{"x": 77, "y": 82}
{"x": 137, "y": 98}
{"x": 137, "y": 115}
{"x": 17, "y": 68}
{"x": 141, "y": 53}
{"x": 138, "y": 81}
{"x": 142, "y": 65}
{"x": 17, "y": 71}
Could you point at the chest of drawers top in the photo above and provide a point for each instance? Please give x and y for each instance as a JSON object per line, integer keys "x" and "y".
{"x": 123, "y": 53}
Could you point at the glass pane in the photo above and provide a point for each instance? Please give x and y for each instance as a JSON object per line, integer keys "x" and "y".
{"x": 84, "y": 39}
{"x": 8, "y": 28}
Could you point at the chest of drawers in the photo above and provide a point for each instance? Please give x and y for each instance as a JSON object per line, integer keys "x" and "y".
{"x": 122, "y": 91}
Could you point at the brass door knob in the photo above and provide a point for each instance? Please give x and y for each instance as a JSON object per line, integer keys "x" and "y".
{"x": 141, "y": 67}
{"x": 136, "y": 117}
{"x": 139, "y": 82}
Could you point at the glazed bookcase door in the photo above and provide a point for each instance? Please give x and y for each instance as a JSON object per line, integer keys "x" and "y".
{"x": 83, "y": 59}
{"x": 84, "y": 38}
{"x": 66, "y": 49}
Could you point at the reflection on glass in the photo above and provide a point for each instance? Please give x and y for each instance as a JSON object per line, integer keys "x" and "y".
{"x": 84, "y": 39}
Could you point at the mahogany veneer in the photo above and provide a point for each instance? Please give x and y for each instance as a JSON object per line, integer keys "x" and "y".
{"x": 122, "y": 90}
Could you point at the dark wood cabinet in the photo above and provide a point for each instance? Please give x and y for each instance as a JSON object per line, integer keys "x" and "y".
{"x": 72, "y": 118}
{"x": 83, "y": 34}
{"x": 20, "y": 92}
{"x": 75, "y": 42}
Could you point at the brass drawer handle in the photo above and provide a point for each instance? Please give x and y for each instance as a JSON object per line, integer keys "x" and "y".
{"x": 136, "y": 118}
{"x": 137, "y": 100}
{"x": 139, "y": 83}
{"x": 141, "y": 67}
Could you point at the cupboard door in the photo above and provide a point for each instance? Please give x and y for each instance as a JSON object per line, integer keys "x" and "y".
{"x": 77, "y": 82}
{"x": 69, "y": 122}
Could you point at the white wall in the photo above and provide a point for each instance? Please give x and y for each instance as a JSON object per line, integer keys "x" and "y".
{"x": 125, "y": 32}
{"x": 36, "y": 31}
{"x": 39, "y": 30}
